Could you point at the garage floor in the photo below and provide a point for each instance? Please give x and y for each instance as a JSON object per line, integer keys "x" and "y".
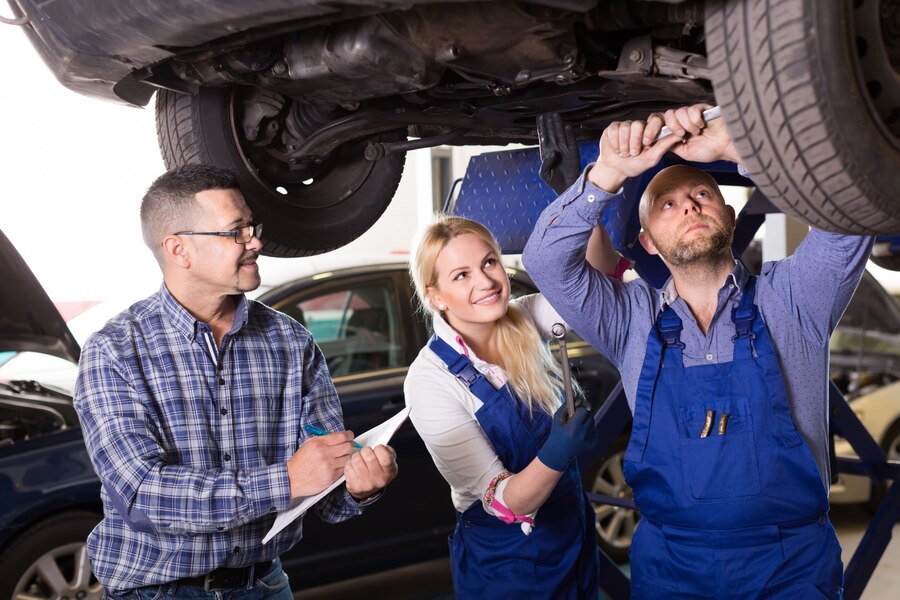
{"x": 431, "y": 580}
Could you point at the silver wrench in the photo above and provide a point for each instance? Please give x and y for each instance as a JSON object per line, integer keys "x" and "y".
{"x": 708, "y": 115}
{"x": 559, "y": 332}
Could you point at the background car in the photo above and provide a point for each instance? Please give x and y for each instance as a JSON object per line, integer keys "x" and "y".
{"x": 364, "y": 320}
{"x": 865, "y": 364}
{"x": 316, "y": 103}
{"x": 366, "y": 323}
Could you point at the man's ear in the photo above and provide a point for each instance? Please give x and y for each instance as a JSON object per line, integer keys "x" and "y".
{"x": 175, "y": 252}
{"x": 647, "y": 243}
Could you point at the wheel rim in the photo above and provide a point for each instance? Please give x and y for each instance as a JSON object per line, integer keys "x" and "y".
{"x": 615, "y": 525}
{"x": 876, "y": 30}
{"x": 308, "y": 184}
{"x": 63, "y": 573}
{"x": 893, "y": 448}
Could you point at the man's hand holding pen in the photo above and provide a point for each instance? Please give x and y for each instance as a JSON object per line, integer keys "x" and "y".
{"x": 322, "y": 459}
{"x": 319, "y": 462}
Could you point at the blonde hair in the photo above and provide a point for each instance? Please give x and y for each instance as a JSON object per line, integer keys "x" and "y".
{"x": 534, "y": 374}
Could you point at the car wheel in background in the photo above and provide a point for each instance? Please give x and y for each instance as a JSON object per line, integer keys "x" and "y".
{"x": 49, "y": 561}
{"x": 891, "y": 447}
{"x": 614, "y": 525}
{"x": 308, "y": 207}
{"x": 811, "y": 95}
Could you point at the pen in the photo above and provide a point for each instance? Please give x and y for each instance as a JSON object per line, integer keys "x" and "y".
{"x": 316, "y": 431}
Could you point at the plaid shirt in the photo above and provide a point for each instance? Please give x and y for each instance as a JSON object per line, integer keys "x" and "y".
{"x": 190, "y": 440}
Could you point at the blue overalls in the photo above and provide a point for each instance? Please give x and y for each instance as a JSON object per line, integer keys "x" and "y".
{"x": 729, "y": 510}
{"x": 492, "y": 559}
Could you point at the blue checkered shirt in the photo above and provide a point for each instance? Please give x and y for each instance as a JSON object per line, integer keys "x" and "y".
{"x": 190, "y": 439}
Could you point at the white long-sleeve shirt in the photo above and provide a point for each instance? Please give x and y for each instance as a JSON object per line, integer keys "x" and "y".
{"x": 443, "y": 411}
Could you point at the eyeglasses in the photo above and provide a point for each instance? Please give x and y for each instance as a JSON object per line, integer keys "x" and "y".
{"x": 241, "y": 235}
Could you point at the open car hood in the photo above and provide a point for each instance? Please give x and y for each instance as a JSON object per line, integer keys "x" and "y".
{"x": 28, "y": 319}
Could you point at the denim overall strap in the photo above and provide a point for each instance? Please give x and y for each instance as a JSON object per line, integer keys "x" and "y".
{"x": 743, "y": 316}
{"x": 663, "y": 351}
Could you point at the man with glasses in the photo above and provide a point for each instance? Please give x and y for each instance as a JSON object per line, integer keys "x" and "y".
{"x": 193, "y": 404}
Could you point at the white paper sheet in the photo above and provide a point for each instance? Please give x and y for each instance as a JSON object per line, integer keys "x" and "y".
{"x": 380, "y": 434}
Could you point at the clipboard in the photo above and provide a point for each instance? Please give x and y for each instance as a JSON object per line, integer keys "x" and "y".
{"x": 380, "y": 434}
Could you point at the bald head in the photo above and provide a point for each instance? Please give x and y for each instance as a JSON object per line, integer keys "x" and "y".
{"x": 670, "y": 179}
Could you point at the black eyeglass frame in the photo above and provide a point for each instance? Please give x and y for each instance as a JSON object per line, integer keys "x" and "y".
{"x": 255, "y": 232}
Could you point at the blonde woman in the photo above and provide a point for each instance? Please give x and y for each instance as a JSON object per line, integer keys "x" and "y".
{"x": 485, "y": 396}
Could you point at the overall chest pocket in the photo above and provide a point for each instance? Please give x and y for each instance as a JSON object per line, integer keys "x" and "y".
{"x": 723, "y": 464}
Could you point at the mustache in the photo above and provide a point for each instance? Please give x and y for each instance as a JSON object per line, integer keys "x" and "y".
{"x": 251, "y": 257}
{"x": 705, "y": 220}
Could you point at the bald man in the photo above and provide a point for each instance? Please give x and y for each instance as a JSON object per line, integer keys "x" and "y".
{"x": 726, "y": 374}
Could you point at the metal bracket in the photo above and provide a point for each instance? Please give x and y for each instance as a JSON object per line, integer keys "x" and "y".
{"x": 641, "y": 57}
{"x": 873, "y": 462}
{"x": 678, "y": 63}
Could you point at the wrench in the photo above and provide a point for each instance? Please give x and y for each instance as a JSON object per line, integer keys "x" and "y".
{"x": 708, "y": 115}
{"x": 559, "y": 332}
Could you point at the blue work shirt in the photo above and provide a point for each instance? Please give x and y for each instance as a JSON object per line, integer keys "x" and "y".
{"x": 191, "y": 439}
{"x": 801, "y": 299}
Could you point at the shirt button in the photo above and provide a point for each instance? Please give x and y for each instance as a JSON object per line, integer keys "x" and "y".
{"x": 730, "y": 286}
{"x": 591, "y": 197}
{"x": 227, "y": 457}
{"x": 236, "y": 549}
{"x": 224, "y": 411}
{"x": 221, "y": 381}
{"x": 709, "y": 357}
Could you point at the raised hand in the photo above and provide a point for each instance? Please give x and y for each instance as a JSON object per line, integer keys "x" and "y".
{"x": 629, "y": 148}
{"x": 624, "y": 154}
{"x": 702, "y": 142}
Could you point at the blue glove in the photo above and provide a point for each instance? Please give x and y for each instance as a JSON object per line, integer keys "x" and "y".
{"x": 568, "y": 439}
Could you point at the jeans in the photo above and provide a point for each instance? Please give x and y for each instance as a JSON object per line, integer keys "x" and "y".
{"x": 272, "y": 585}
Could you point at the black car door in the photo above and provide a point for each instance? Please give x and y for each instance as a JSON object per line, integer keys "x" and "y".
{"x": 364, "y": 324}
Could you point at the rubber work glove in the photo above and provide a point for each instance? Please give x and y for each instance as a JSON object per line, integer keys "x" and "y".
{"x": 568, "y": 438}
{"x": 560, "y": 160}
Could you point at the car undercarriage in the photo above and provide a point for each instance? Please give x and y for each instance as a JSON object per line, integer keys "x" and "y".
{"x": 315, "y": 104}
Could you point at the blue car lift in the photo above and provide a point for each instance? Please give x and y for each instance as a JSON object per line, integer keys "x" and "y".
{"x": 503, "y": 191}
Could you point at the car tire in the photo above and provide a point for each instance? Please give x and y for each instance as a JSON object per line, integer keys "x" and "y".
{"x": 891, "y": 446}
{"x": 305, "y": 212}
{"x": 890, "y": 263}
{"x": 54, "y": 547}
{"x": 614, "y": 525}
{"x": 811, "y": 100}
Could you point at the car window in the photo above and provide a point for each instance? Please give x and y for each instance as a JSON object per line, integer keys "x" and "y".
{"x": 865, "y": 347}
{"x": 871, "y": 323}
{"x": 872, "y": 308}
{"x": 357, "y": 327}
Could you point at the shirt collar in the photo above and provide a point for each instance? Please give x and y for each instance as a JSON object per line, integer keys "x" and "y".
{"x": 738, "y": 278}
{"x": 190, "y": 327}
